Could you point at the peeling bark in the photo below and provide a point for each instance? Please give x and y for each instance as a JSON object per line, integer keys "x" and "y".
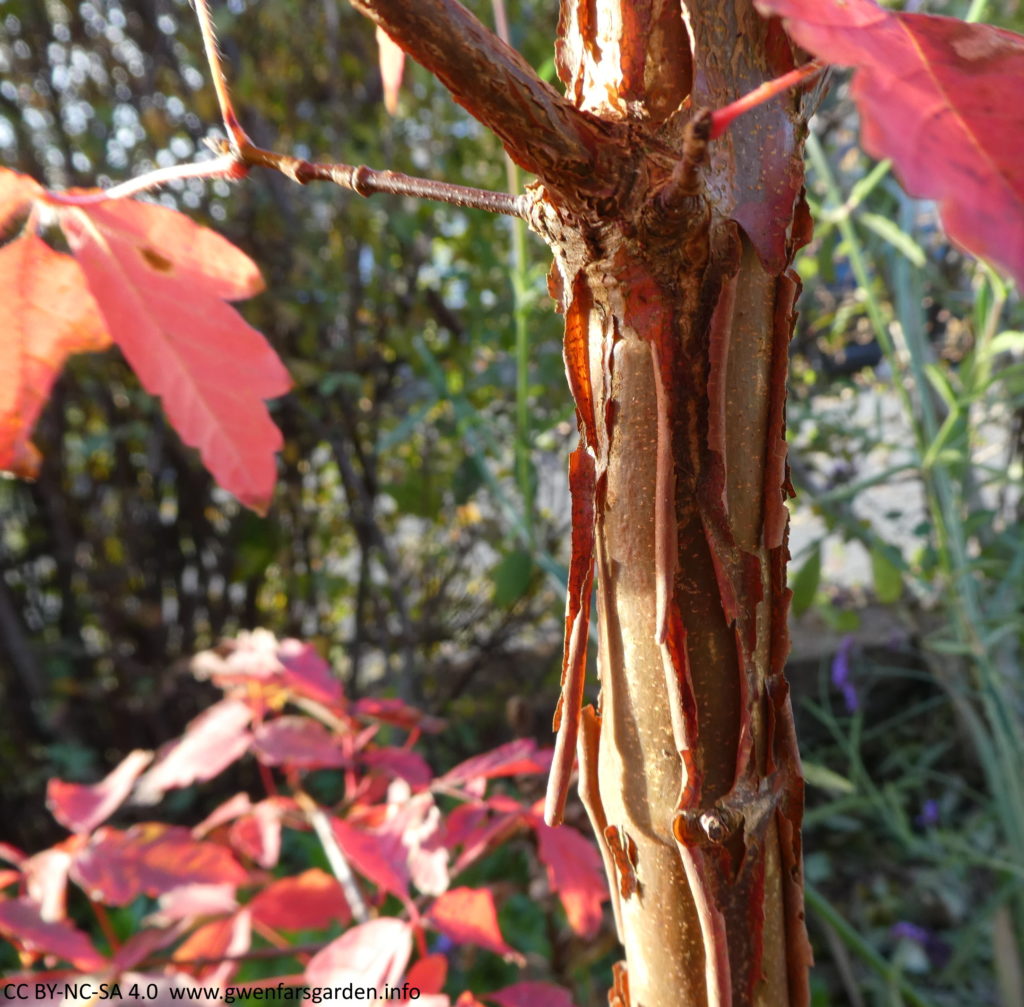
{"x": 671, "y": 266}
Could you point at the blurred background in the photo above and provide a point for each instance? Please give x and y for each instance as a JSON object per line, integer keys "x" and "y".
{"x": 419, "y": 532}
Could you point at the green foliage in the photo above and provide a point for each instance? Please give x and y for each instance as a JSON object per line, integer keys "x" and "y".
{"x": 915, "y": 792}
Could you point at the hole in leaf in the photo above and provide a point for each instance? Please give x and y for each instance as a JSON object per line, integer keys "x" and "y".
{"x": 157, "y": 261}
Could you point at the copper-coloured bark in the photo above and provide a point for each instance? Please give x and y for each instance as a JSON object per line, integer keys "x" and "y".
{"x": 577, "y": 629}
{"x": 668, "y": 257}
{"x": 542, "y": 131}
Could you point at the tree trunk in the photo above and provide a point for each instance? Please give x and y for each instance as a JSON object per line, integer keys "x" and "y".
{"x": 671, "y": 258}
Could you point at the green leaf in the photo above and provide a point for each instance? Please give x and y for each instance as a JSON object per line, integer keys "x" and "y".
{"x": 889, "y": 231}
{"x": 805, "y": 581}
{"x": 886, "y": 574}
{"x": 821, "y": 776}
{"x": 512, "y": 577}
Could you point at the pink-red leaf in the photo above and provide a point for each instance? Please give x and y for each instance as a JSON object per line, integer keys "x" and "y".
{"x": 150, "y": 859}
{"x": 220, "y": 939}
{"x": 22, "y": 921}
{"x": 403, "y": 763}
{"x": 81, "y": 808}
{"x": 428, "y": 974}
{"x": 309, "y": 900}
{"x": 379, "y": 856}
{"x": 46, "y": 879}
{"x": 938, "y": 96}
{"x": 519, "y": 756}
{"x": 367, "y": 955}
{"x": 210, "y": 743}
{"x": 186, "y": 902}
{"x": 575, "y": 872}
{"x": 160, "y": 282}
{"x": 257, "y": 833}
{"x": 469, "y": 916}
{"x": 48, "y": 314}
{"x": 531, "y": 995}
{"x": 308, "y": 673}
{"x": 298, "y": 742}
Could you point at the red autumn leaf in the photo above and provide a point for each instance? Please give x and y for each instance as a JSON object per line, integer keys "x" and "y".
{"x": 378, "y": 856}
{"x": 575, "y": 872}
{"x": 298, "y": 742}
{"x": 220, "y": 939}
{"x": 222, "y": 814}
{"x": 472, "y": 828}
{"x": 469, "y": 916}
{"x": 22, "y": 921}
{"x": 80, "y": 807}
{"x": 308, "y": 673}
{"x": 186, "y": 902}
{"x": 310, "y": 900}
{"x": 161, "y": 283}
{"x": 150, "y": 859}
{"x": 403, "y": 763}
{"x": 394, "y": 711}
{"x": 531, "y": 995}
{"x": 515, "y": 757}
{"x": 937, "y": 96}
{"x": 368, "y": 955}
{"x": 141, "y": 945}
{"x": 411, "y": 834}
{"x": 11, "y": 854}
{"x": 211, "y": 742}
{"x": 46, "y": 880}
{"x": 257, "y": 833}
{"x": 48, "y": 315}
{"x": 391, "y": 59}
{"x": 428, "y": 974}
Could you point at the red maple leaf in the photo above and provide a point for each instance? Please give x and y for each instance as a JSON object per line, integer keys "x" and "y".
{"x": 49, "y": 314}
{"x": 161, "y": 283}
{"x": 156, "y": 283}
{"x": 575, "y": 872}
{"x": 936, "y": 95}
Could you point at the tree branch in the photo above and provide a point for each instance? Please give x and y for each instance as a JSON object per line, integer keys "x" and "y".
{"x": 542, "y": 131}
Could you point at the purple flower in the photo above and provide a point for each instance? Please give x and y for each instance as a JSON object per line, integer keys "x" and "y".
{"x": 842, "y": 677}
{"x": 929, "y": 815}
{"x": 937, "y": 950}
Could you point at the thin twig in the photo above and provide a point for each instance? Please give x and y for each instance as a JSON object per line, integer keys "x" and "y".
{"x": 226, "y": 166}
{"x": 336, "y": 858}
{"x": 220, "y": 81}
{"x": 367, "y": 181}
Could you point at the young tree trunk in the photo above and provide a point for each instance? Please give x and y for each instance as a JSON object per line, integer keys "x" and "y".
{"x": 671, "y": 258}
